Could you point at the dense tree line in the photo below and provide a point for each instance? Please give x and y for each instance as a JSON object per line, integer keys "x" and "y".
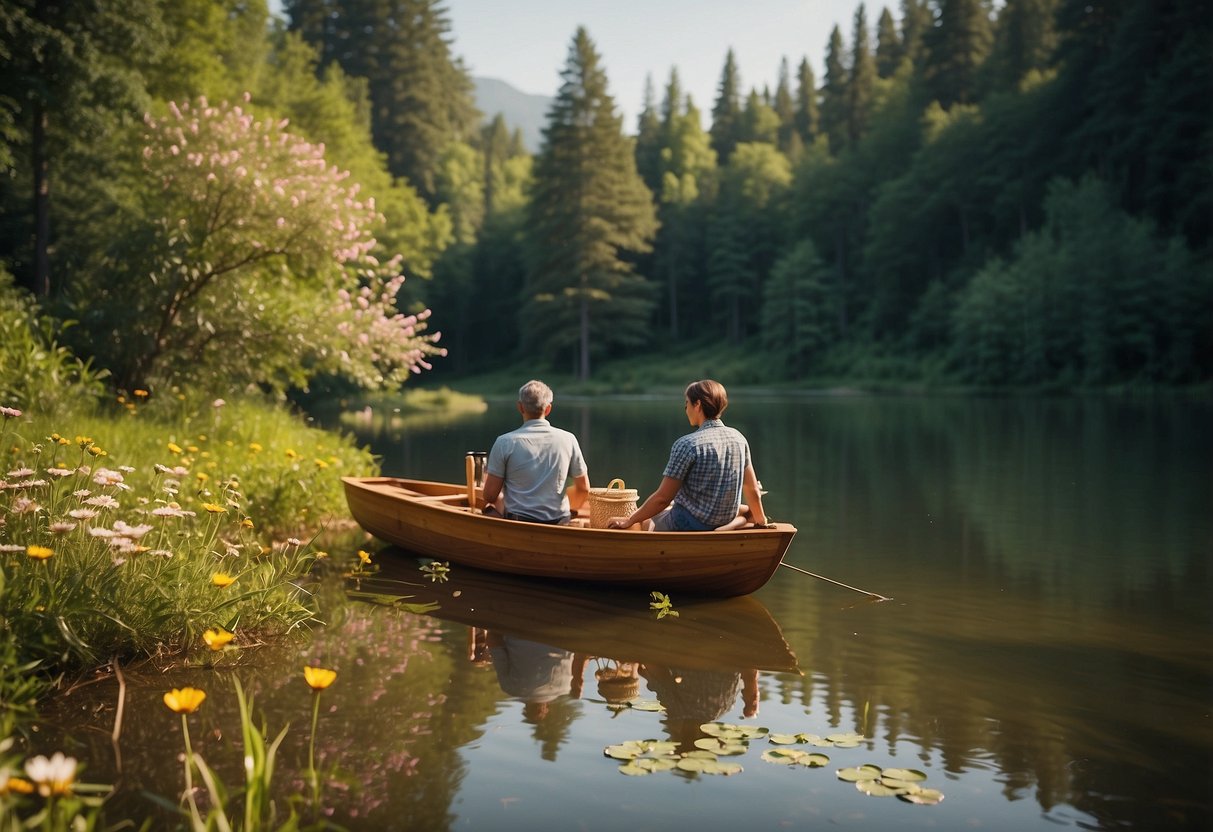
{"x": 1010, "y": 195}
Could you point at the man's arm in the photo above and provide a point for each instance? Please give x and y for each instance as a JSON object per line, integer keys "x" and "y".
{"x": 492, "y": 489}
{"x": 578, "y": 492}
{"x": 753, "y": 498}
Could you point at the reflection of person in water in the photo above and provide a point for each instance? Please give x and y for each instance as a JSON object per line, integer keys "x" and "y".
{"x": 542, "y": 677}
{"x": 693, "y": 697}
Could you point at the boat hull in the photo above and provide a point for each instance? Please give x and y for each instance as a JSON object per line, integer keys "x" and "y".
{"x": 433, "y": 519}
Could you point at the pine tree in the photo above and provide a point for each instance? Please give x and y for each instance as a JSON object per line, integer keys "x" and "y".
{"x": 422, "y": 95}
{"x": 648, "y": 139}
{"x": 759, "y": 122}
{"x": 834, "y": 94}
{"x": 726, "y": 112}
{"x": 889, "y": 51}
{"x": 589, "y": 210}
{"x": 956, "y": 50}
{"x": 785, "y": 107}
{"x": 1025, "y": 38}
{"x": 807, "y": 113}
{"x": 916, "y": 20}
{"x": 861, "y": 85}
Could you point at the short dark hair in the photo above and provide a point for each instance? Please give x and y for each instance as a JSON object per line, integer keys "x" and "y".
{"x": 710, "y": 395}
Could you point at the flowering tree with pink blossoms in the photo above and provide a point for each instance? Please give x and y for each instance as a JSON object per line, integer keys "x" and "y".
{"x": 251, "y": 260}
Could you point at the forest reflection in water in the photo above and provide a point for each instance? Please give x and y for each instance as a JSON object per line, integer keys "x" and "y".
{"x": 1045, "y": 660}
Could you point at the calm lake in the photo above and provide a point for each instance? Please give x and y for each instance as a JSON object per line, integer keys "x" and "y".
{"x": 1046, "y": 659}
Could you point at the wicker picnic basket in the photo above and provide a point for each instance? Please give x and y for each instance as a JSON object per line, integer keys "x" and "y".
{"x": 612, "y": 501}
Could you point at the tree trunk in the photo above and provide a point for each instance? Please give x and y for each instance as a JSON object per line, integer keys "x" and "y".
{"x": 42, "y": 205}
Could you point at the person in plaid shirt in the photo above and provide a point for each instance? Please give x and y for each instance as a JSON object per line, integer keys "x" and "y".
{"x": 709, "y": 472}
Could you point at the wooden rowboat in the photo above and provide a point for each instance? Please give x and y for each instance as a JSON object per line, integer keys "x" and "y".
{"x": 433, "y": 519}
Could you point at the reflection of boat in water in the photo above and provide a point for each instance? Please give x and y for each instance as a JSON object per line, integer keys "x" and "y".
{"x": 708, "y": 633}
{"x": 432, "y": 518}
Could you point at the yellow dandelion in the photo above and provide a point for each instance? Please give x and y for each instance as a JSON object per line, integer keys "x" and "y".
{"x": 213, "y": 508}
{"x": 291, "y": 454}
{"x": 83, "y": 441}
{"x": 222, "y": 579}
{"x": 95, "y": 451}
{"x": 193, "y": 449}
{"x": 143, "y": 394}
{"x": 63, "y": 440}
{"x": 318, "y": 678}
{"x": 246, "y": 523}
{"x": 218, "y": 638}
{"x": 321, "y": 464}
{"x": 184, "y": 700}
{"x": 39, "y": 552}
{"x": 202, "y": 476}
{"x": 202, "y": 437}
{"x": 364, "y": 556}
{"x": 255, "y": 447}
{"x": 174, "y": 448}
{"x": 121, "y": 399}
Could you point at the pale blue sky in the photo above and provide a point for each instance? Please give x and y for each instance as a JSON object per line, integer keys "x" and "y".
{"x": 526, "y": 42}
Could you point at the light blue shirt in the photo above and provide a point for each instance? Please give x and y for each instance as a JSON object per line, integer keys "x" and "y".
{"x": 536, "y": 461}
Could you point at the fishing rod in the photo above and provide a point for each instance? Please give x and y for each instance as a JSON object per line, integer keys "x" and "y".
{"x": 875, "y": 595}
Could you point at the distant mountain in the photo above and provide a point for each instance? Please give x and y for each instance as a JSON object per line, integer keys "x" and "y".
{"x": 521, "y": 110}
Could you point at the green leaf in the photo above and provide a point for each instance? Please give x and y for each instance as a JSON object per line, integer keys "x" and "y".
{"x": 854, "y": 775}
{"x": 633, "y": 770}
{"x": 874, "y": 788}
{"x": 783, "y": 757}
{"x": 719, "y": 746}
{"x": 815, "y": 760}
{"x": 923, "y": 797}
{"x": 785, "y": 739}
{"x": 912, "y": 775}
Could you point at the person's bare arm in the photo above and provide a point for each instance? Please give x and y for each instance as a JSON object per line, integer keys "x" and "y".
{"x": 753, "y": 497}
{"x": 654, "y": 505}
{"x": 492, "y": 489}
{"x": 579, "y": 492}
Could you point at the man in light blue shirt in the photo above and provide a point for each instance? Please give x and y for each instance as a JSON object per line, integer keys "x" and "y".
{"x": 533, "y": 463}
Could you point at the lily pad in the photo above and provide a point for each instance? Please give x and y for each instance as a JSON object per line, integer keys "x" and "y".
{"x": 923, "y": 797}
{"x": 785, "y": 739}
{"x": 901, "y": 785}
{"x": 860, "y": 774}
{"x": 912, "y": 775}
{"x": 815, "y": 760}
{"x": 646, "y": 705}
{"x": 633, "y": 770}
{"x": 655, "y": 763}
{"x": 728, "y": 730}
{"x": 783, "y": 756}
{"x": 631, "y": 749}
{"x": 847, "y": 740}
{"x": 727, "y": 748}
{"x": 708, "y": 766}
{"x": 874, "y": 788}
{"x": 699, "y": 754}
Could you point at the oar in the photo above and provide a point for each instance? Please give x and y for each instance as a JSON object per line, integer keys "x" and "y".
{"x": 874, "y": 595}
{"x": 469, "y": 466}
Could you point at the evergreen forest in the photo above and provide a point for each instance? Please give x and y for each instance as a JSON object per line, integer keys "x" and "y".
{"x": 1013, "y": 194}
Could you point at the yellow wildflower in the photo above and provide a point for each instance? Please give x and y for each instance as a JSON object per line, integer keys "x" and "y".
{"x": 184, "y": 700}
{"x": 193, "y": 449}
{"x": 16, "y": 785}
{"x": 222, "y": 579}
{"x": 320, "y": 463}
{"x": 141, "y": 394}
{"x": 63, "y": 440}
{"x": 121, "y": 399}
{"x": 218, "y": 638}
{"x": 318, "y": 678}
{"x": 174, "y": 448}
{"x": 95, "y": 451}
{"x": 321, "y": 555}
{"x": 291, "y": 454}
{"x": 255, "y": 447}
{"x": 364, "y": 556}
{"x": 54, "y": 776}
{"x": 83, "y": 441}
{"x": 39, "y": 552}
{"x": 214, "y": 509}
{"x": 246, "y": 523}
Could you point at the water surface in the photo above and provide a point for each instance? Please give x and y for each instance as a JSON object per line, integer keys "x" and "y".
{"x": 1045, "y": 660}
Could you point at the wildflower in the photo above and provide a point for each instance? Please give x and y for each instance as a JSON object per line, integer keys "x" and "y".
{"x": 83, "y": 513}
{"x": 364, "y": 556}
{"x": 10, "y": 412}
{"x": 24, "y": 505}
{"x": 214, "y": 509}
{"x": 102, "y": 501}
{"x": 202, "y": 476}
{"x": 318, "y": 678}
{"x": 218, "y": 638}
{"x": 59, "y": 472}
{"x": 16, "y": 785}
{"x": 321, "y": 555}
{"x": 62, "y": 527}
{"x": 174, "y": 448}
{"x": 20, "y": 472}
{"x": 54, "y": 776}
{"x": 11, "y": 547}
{"x": 164, "y": 553}
{"x": 184, "y": 700}
{"x": 126, "y": 469}
{"x": 321, "y": 464}
{"x": 95, "y": 451}
{"x": 39, "y": 552}
{"x": 133, "y": 532}
{"x": 104, "y": 476}
{"x": 97, "y": 532}
{"x": 218, "y": 403}
{"x": 84, "y": 441}
{"x": 294, "y": 541}
{"x": 81, "y": 493}
{"x": 222, "y": 579}
{"x": 246, "y": 523}
{"x": 172, "y": 510}
{"x": 141, "y": 394}
{"x": 255, "y": 447}
{"x": 290, "y": 453}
